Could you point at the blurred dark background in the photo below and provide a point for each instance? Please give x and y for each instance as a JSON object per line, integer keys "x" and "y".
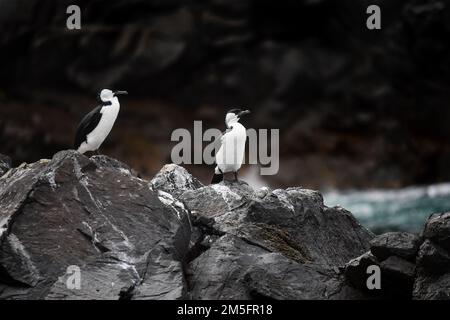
{"x": 356, "y": 108}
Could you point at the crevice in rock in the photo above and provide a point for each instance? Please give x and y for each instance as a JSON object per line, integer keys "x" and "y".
{"x": 13, "y": 217}
{"x": 196, "y": 250}
{"x": 7, "y": 279}
{"x": 91, "y": 240}
{"x": 259, "y": 296}
{"x": 253, "y": 291}
{"x": 255, "y": 244}
{"x": 205, "y": 226}
{"x": 128, "y": 293}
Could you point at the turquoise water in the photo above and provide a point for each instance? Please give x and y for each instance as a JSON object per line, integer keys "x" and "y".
{"x": 393, "y": 210}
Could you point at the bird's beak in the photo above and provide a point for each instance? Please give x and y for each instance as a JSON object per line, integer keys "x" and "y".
{"x": 243, "y": 113}
{"x": 116, "y": 93}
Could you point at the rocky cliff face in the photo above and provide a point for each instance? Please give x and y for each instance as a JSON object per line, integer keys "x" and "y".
{"x": 174, "y": 238}
{"x": 310, "y": 68}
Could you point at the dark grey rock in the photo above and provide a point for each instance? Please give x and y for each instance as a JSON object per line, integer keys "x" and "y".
{"x": 437, "y": 229}
{"x": 236, "y": 269}
{"x": 396, "y": 276}
{"x": 107, "y": 162}
{"x": 433, "y": 277}
{"x": 5, "y": 164}
{"x": 356, "y": 270}
{"x": 398, "y": 268}
{"x": 433, "y": 258}
{"x": 435, "y": 287}
{"x": 253, "y": 238}
{"x": 91, "y": 213}
{"x": 173, "y": 238}
{"x": 401, "y": 244}
{"x": 293, "y": 222}
{"x": 132, "y": 239}
{"x": 278, "y": 244}
{"x": 174, "y": 180}
{"x": 105, "y": 278}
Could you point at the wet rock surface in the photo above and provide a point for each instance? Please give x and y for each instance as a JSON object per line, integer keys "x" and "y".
{"x": 433, "y": 257}
{"x": 433, "y": 276}
{"x": 437, "y": 229}
{"x": 401, "y": 244}
{"x": 174, "y": 179}
{"x": 411, "y": 266}
{"x": 356, "y": 270}
{"x": 93, "y": 214}
{"x": 267, "y": 244}
{"x": 174, "y": 238}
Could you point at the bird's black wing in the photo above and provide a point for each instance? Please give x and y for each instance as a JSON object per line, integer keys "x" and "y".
{"x": 87, "y": 125}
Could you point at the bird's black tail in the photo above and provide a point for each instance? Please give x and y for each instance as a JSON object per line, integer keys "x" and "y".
{"x": 217, "y": 178}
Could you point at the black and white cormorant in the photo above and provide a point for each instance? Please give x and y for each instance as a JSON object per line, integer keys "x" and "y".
{"x": 97, "y": 124}
{"x": 231, "y": 153}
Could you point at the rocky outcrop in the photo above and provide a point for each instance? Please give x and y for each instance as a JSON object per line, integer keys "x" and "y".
{"x": 168, "y": 238}
{"x": 356, "y": 270}
{"x": 93, "y": 214}
{"x": 273, "y": 244}
{"x": 402, "y": 244}
{"x": 278, "y": 244}
{"x": 174, "y": 180}
{"x": 433, "y": 260}
{"x": 92, "y": 219}
{"x": 411, "y": 266}
{"x": 437, "y": 229}
{"x": 392, "y": 254}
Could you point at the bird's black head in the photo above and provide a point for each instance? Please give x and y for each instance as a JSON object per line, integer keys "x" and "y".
{"x": 238, "y": 112}
{"x": 106, "y": 96}
{"x": 234, "y": 115}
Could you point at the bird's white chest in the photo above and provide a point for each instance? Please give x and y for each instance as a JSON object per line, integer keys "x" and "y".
{"x": 109, "y": 116}
{"x": 230, "y": 156}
